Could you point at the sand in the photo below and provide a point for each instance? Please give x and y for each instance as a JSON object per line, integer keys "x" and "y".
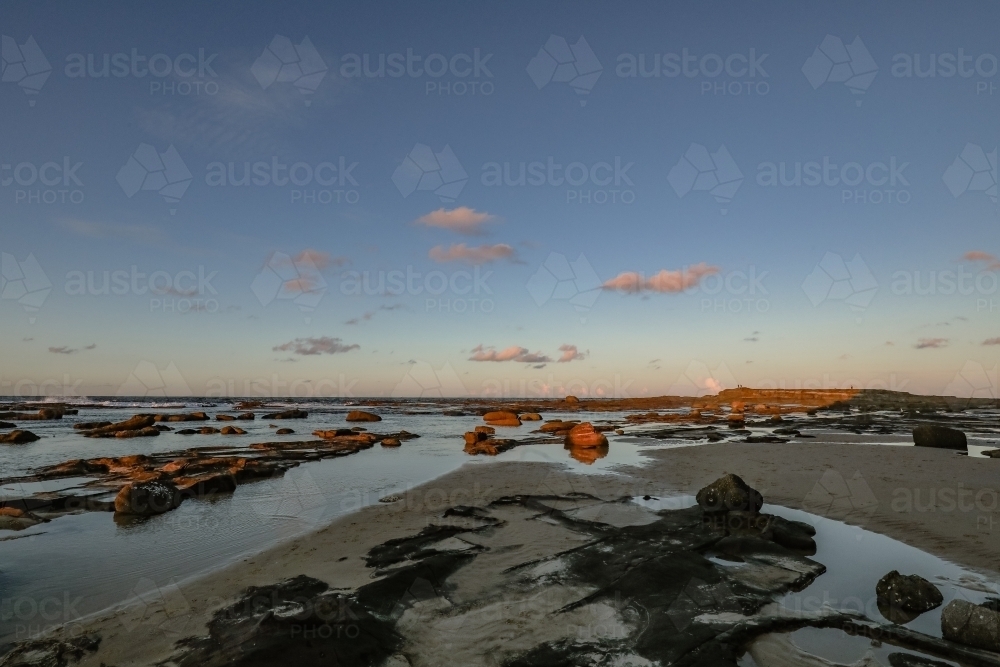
{"x": 885, "y": 489}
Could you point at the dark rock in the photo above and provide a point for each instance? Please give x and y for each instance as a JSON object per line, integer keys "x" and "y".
{"x": 134, "y": 423}
{"x": 51, "y": 652}
{"x": 18, "y": 437}
{"x": 246, "y": 416}
{"x": 942, "y": 437}
{"x": 362, "y": 416}
{"x": 287, "y": 414}
{"x": 531, "y": 417}
{"x": 147, "y": 498}
{"x": 284, "y": 431}
{"x": 87, "y": 426}
{"x": 232, "y": 430}
{"x": 146, "y": 432}
{"x": 188, "y": 417}
{"x": 901, "y": 598}
{"x": 7, "y": 425}
{"x": 728, "y": 493}
{"x": 971, "y": 624}
{"x": 910, "y": 660}
{"x": 225, "y": 418}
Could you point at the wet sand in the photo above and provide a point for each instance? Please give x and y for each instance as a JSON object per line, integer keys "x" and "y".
{"x": 885, "y": 489}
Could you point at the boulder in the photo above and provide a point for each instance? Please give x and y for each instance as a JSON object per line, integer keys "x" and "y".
{"x": 362, "y": 416}
{"x": 490, "y": 447}
{"x": 284, "y": 431}
{"x": 472, "y": 437}
{"x": 146, "y": 432}
{"x": 147, "y": 498}
{"x": 489, "y": 430}
{"x": 133, "y": 423}
{"x": 971, "y": 624}
{"x": 585, "y": 435}
{"x": 736, "y": 418}
{"x": 88, "y": 426}
{"x": 531, "y": 417}
{"x": 188, "y": 417}
{"x": 225, "y": 418}
{"x": 334, "y": 433}
{"x": 571, "y": 399}
{"x": 942, "y": 437}
{"x": 18, "y": 437}
{"x": 728, "y": 493}
{"x": 208, "y": 430}
{"x": 502, "y": 418}
{"x": 391, "y": 442}
{"x": 901, "y": 597}
{"x": 232, "y": 430}
{"x": 587, "y": 455}
{"x": 287, "y": 414}
{"x": 246, "y": 416}
{"x": 557, "y": 427}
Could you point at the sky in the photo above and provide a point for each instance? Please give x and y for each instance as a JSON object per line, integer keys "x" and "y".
{"x": 498, "y": 199}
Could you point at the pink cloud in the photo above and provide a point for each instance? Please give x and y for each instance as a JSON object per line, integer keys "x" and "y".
{"x": 570, "y": 353}
{"x": 931, "y": 343}
{"x": 991, "y": 341}
{"x": 980, "y": 256}
{"x": 512, "y": 353}
{"x": 475, "y": 255}
{"x": 463, "y": 220}
{"x": 665, "y": 281}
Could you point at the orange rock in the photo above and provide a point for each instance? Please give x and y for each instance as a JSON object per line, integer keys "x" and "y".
{"x": 472, "y": 437}
{"x": 485, "y": 429}
{"x": 585, "y": 435}
{"x": 391, "y": 442}
{"x": 362, "y": 416}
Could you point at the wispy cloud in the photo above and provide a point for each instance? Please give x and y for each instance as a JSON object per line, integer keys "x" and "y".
{"x": 365, "y": 317}
{"x": 462, "y": 220}
{"x": 512, "y": 353}
{"x": 146, "y": 234}
{"x": 472, "y": 255}
{"x": 931, "y": 343}
{"x": 753, "y": 338}
{"x": 65, "y": 349}
{"x": 991, "y": 341}
{"x": 322, "y": 345}
{"x": 665, "y": 281}
{"x": 570, "y": 353}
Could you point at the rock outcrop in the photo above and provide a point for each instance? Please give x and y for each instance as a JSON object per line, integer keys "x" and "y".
{"x": 502, "y": 418}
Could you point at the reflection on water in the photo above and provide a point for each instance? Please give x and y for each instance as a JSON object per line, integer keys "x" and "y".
{"x": 587, "y": 455}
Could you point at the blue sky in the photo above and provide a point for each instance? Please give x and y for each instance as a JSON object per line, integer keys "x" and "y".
{"x": 919, "y": 206}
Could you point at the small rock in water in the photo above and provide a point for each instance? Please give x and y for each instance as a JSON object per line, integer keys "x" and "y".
{"x": 18, "y": 437}
{"x": 942, "y": 437}
{"x": 147, "y": 498}
{"x": 284, "y": 431}
{"x": 232, "y": 430}
{"x": 901, "y": 598}
{"x": 287, "y": 414}
{"x": 531, "y": 417}
{"x": 391, "y": 442}
{"x": 502, "y": 418}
